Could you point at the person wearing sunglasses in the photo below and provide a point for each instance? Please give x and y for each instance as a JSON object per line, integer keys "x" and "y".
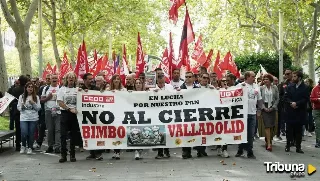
{"x": 188, "y": 84}
{"x": 281, "y": 112}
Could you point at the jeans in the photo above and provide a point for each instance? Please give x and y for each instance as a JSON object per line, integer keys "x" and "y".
{"x": 316, "y": 116}
{"x": 309, "y": 123}
{"x": 251, "y": 125}
{"x": 27, "y": 133}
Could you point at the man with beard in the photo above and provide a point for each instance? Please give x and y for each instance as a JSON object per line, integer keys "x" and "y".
{"x": 129, "y": 82}
{"x": 281, "y": 111}
{"x": 296, "y": 98}
{"x": 88, "y": 84}
{"x": 176, "y": 82}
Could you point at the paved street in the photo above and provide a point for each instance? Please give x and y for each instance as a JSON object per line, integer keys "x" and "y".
{"x": 43, "y": 167}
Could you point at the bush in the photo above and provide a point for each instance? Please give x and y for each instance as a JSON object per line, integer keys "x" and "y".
{"x": 270, "y": 61}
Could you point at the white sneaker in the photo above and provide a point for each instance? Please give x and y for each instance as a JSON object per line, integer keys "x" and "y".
{"x": 29, "y": 151}
{"x": 219, "y": 150}
{"x": 22, "y": 150}
{"x": 137, "y": 155}
{"x": 225, "y": 154}
{"x": 309, "y": 134}
{"x": 117, "y": 156}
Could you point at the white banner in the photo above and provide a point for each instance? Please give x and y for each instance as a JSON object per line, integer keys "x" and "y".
{"x": 5, "y": 101}
{"x": 186, "y": 118}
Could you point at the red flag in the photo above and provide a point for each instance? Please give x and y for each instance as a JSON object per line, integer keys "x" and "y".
{"x": 216, "y": 67}
{"x": 209, "y": 59}
{"x": 195, "y": 69}
{"x": 186, "y": 38}
{"x": 98, "y": 67}
{"x": 173, "y": 12}
{"x": 229, "y": 64}
{"x": 140, "y": 64}
{"x": 122, "y": 71}
{"x": 63, "y": 67}
{"x": 109, "y": 70}
{"x": 165, "y": 65}
{"x": 93, "y": 63}
{"x": 198, "y": 53}
{"x": 82, "y": 65}
{"x": 171, "y": 58}
{"x": 54, "y": 69}
{"x": 104, "y": 61}
{"x": 47, "y": 71}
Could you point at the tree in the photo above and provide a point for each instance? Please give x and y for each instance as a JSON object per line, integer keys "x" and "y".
{"x": 21, "y": 29}
{"x": 269, "y": 61}
{"x": 3, "y": 69}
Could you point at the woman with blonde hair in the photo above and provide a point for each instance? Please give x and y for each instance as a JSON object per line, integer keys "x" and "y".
{"x": 67, "y": 100}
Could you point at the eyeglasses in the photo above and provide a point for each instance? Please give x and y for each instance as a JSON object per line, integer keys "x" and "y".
{"x": 188, "y": 77}
{"x": 205, "y": 77}
{"x": 224, "y": 80}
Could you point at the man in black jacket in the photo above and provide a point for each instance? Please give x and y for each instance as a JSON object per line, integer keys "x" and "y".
{"x": 281, "y": 110}
{"x": 296, "y": 98}
{"x": 188, "y": 84}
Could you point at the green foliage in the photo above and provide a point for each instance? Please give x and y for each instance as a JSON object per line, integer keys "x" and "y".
{"x": 270, "y": 61}
{"x": 4, "y": 123}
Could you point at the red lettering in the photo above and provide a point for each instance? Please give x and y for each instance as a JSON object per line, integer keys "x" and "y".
{"x": 239, "y": 126}
{"x": 185, "y": 130}
{"x": 121, "y": 132}
{"x": 179, "y": 132}
{"x": 219, "y": 128}
{"x": 101, "y": 131}
{"x": 93, "y": 133}
{"x": 86, "y": 132}
{"x": 193, "y": 129}
{"x": 210, "y": 128}
{"x": 172, "y": 129}
{"x": 112, "y": 132}
{"x": 202, "y": 129}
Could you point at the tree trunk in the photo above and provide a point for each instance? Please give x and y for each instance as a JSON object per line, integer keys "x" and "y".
{"x": 311, "y": 63}
{"x": 55, "y": 48}
{"x": 3, "y": 69}
{"x": 23, "y": 46}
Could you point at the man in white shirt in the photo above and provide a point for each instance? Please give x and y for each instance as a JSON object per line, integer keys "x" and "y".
{"x": 176, "y": 82}
{"x": 52, "y": 118}
{"x": 255, "y": 98}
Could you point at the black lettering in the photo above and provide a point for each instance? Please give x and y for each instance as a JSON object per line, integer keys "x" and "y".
{"x": 188, "y": 114}
{"x": 129, "y": 116}
{"x": 236, "y": 111}
{"x": 141, "y": 118}
{"x": 153, "y": 98}
{"x": 205, "y": 112}
{"x": 103, "y": 117}
{"x": 222, "y": 111}
{"x": 91, "y": 117}
{"x": 161, "y": 116}
{"x": 177, "y": 114}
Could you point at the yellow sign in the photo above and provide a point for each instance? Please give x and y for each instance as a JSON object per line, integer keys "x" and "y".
{"x": 311, "y": 169}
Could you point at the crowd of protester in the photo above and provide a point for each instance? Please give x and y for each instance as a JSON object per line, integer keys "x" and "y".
{"x": 291, "y": 109}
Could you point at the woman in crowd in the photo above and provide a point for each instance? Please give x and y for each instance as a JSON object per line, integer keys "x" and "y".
{"x": 67, "y": 100}
{"x": 116, "y": 85}
{"x": 28, "y": 105}
{"x": 270, "y": 98}
{"x": 138, "y": 86}
{"x": 309, "y": 123}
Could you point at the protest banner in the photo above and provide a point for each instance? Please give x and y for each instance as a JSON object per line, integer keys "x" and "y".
{"x": 5, "y": 101}
{"x": 164, "y": 119}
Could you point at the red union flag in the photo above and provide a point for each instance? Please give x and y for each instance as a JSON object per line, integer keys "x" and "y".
{"x": 198, "y": 53}
{"x": 165, "y": 65}
{"x": 47, "y": 71}
{"x": 82, "y": 65}
{"x": 173, "y": 12}
{"x": 140, "y": 64}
